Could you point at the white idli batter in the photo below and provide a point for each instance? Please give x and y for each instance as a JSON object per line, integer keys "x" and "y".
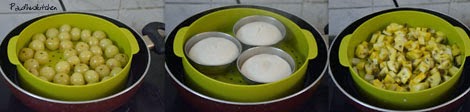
{"x": 266, "y": 68}
{"x": 259, "y": 33}
{"x": 214, "y": 51}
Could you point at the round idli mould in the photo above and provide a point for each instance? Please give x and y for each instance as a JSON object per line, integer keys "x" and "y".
{"x": 258, "y": 30}
{"x": 265, "y": 58}
{"x": 212, "y": 52}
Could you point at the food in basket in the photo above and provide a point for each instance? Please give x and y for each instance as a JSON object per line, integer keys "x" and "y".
{"x": 265, "y": 68}
{"x": 407, "y": 59}
{"x": 259, "y": 33}
{"x": 72, "y": 56}
{"x": 213, "y": 51}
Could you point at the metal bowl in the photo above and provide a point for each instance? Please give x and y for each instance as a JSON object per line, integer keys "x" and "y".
{"x": 259, "y": 18}
{"x": 247, "y": 54}
{"x": 211, "y": 69}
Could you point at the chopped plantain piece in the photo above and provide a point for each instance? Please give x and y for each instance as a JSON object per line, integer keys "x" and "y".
{"x": 369, "y": 77}
{"x": 417, "y": 79}
{"x": 400, "y": 43}
{"x": 393, "y": 66}
{"x": 362, "y": 50}
{"x": 446, "y": 77}
{"x": 435, "y": 78}
{"x": 377, "y": 83}
{"x": 444, "y": 65}
{"x": 414, "y": 54}
{"x": 355, "y": 61}
{"x": 388, "y": 79}
{"x": 455, "y": 50}
{"x": 453, "y": 70}
{"x": 392, "y": 87}
{"x": 419, "y": 86}
{"x": 401, "y": 89}
{"x": 458, "y": 60}
{"x": 374, "y": 37}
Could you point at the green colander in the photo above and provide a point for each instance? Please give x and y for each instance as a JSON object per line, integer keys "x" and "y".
{"x": 121, "y": 37}
{"x": 403, "y": 100}
{"x": 231, "y": 86}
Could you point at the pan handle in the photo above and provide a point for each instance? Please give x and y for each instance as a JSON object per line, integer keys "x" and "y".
{"x": 151, "y": 30}
{"x": 12, "y": 56}
{"x": 466, "y": 41}
{"x": 343, "y": 51}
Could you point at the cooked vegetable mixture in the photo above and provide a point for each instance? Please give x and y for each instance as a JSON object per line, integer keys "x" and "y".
{"x": 402, "y": 58}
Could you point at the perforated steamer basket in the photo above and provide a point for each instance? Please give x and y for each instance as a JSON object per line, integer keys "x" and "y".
{"x": 107, "y": 103}
{"x": 344, "y": 81}
{"x": 205, "y": 102}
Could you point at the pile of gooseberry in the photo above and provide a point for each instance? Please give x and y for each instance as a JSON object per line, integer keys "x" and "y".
{"x": 72, "y": 56}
